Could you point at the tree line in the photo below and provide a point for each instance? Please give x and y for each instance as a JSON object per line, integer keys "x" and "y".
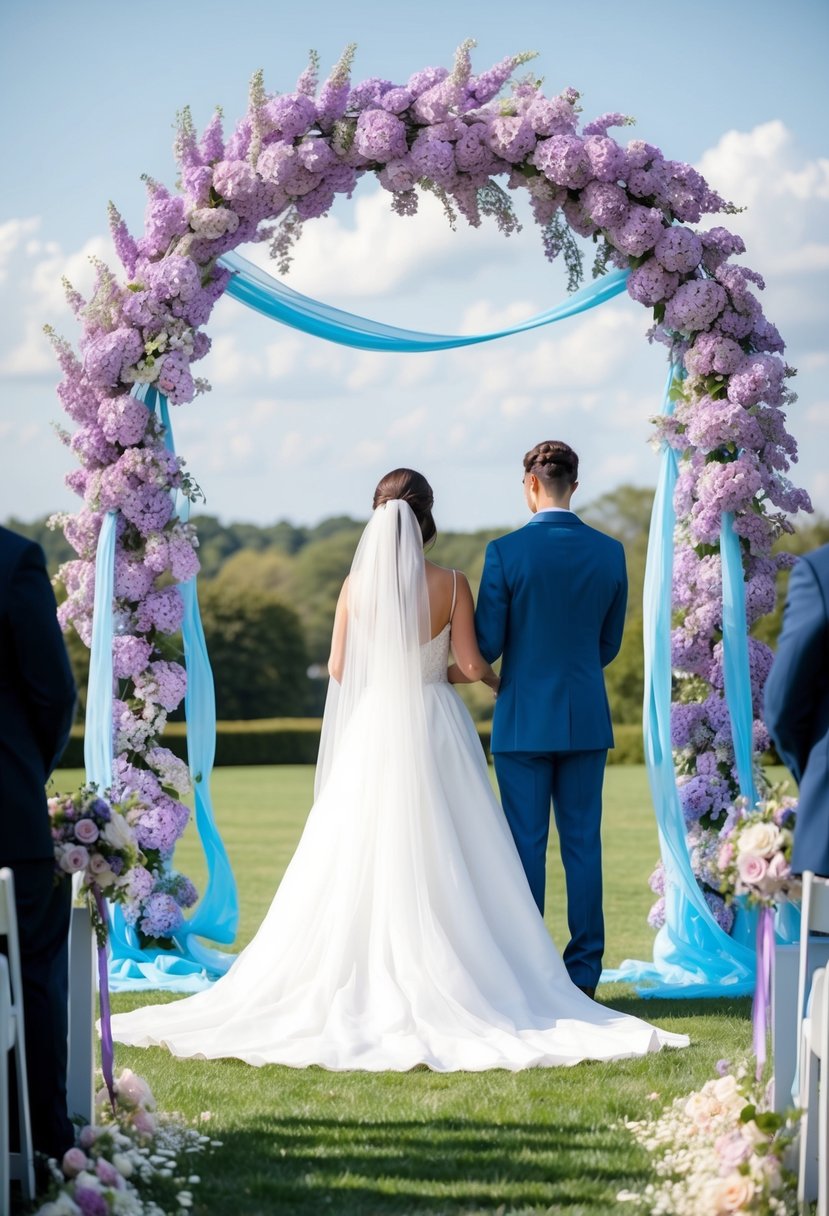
{"x": 268, "y": 594}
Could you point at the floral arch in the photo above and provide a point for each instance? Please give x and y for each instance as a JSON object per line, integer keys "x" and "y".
{"x": 723, "y": 492}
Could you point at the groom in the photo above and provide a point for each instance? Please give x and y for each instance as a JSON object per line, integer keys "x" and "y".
{"x": 552, "y": 602}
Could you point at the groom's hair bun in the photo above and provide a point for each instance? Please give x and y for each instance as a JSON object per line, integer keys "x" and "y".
{"x": 413, "y": 488}
{"x": 553, "y": 462}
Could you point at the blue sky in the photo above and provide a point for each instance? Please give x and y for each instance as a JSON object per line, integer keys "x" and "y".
{"x": 299, "y": 429}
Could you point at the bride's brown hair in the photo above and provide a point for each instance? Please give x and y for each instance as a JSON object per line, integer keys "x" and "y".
{"x": 413, "y": 488}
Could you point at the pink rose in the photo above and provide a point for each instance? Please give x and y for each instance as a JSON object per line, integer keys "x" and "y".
{"x": 74, "y": 1162}
{"x": 725, "y": 855}
{"x": 132, "y": 1090}
{"x": 143, "y": 1122}
{"x": 779, "y": 868}
{"x": 73, "y": 859}
{"x": 732, "y": 1149}
{"x": 89, "y": 1135}
{"x": 98, "y": 863}
{"x": 86, "y": 831}
{"x": 751, "y": 869}
{"x": 108, "y": 1174}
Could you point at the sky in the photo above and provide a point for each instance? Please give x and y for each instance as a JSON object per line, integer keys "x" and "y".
{"x": 296, "y": 428}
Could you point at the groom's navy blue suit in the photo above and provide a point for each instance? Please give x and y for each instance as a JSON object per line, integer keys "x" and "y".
{"x": 797, "y": 706}
{"x": 552, "y": 602}
{"x": 37, "y": 698}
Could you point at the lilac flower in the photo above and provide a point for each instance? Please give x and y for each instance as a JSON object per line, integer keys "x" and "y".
{"x": 396, "y": 100}
{"x": 639, "y": 231}
{"x": 757, "y": 378}
{"x": 711, "y": 424}
{"x": 380, "y": 136}
{"x": 161, "y": 918}
{"x": 106, "y": 357}
{"x": 175, "y": 379}
{"x": 211, "y": 146}
{"x": 291, "y": 116}
{"x": 657, "y": 913}
{"x": 162, "y": 610}
{"x": 600, "y": 125}
{"x": 562, "y": 159}
{"x": 719, "y": 245}
{"x": 695, "y": 305}
{"x": 172, "y": 772}
{"x": 164, "y": 220}
{"x": 234, "y": 180}
{"x": 130, "y": 655}
{"x": 123, "y": 419}
{"x": 650, "y": 283}
{"x": 679, "y": 249}
{"x": 551, "y": 116}
{"x": 606, "y": 204}
{"x": 656, "y": 881}
{"x": 577, "y": 218}
{"x": 606, "y": 159}
{"x": 713, "y": 353}
{"x": 398, "y": 176}
{"x": 434, "y": 159}
{"x": 687, "y": 725}
{"x": 163, "y": 683}
{"x": 512, "y": 139}
{"x": 723, "y": 914}
{"x": 132, "y": 578}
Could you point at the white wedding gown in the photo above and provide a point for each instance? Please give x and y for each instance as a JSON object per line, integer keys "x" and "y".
{"x": 403, "y": 932}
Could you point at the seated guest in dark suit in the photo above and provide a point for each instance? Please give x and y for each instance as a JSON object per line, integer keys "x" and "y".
{"x": 797, "y": 706}
{"x": 37, "y": 698}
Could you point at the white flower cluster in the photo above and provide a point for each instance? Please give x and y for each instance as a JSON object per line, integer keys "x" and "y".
{"x": 716, "y": 1152}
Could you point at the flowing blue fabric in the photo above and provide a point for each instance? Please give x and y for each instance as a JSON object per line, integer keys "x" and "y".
{"x": 735, "y": 657}
{"x": 263, "y": 293}
{"x": 192, "y": 965}
{"x": 692, "y": 956}
{"x": 97, "y": 742}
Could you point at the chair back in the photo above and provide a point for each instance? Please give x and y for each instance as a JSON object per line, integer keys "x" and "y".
{"x": 8, "y": 929}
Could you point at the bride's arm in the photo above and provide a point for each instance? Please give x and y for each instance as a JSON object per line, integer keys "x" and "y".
{"x": 336, "y": 659}
{"x": 469, "y": 665}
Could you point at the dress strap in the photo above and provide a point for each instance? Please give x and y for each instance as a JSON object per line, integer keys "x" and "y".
{"x": 454, "y": 593}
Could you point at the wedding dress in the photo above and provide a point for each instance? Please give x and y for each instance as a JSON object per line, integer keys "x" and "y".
{"x": 403, "y": 932}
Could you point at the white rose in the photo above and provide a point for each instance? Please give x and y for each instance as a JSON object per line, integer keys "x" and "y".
{"x": 123, "y": 1164}
{"x": 118, "y": 832}
{"x": 731, "y": 1194}
{"x": 762, "y": 839}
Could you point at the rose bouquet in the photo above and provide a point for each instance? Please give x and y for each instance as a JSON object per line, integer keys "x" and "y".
{"x": 93, "y": 838}
{"x": 131, "y": 1160}
{"x": 718, "y": 1150}
{"x": 755, "y": 852}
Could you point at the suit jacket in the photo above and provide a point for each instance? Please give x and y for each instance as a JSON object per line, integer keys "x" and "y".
{"x": 797, "y": 705}
{"x": 37, "y": 698}
{"x": 552, "y": 602}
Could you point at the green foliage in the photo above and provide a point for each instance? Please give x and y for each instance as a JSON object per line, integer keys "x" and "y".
{"x": 257, "y": 652}
{"x": 305, "y": 566}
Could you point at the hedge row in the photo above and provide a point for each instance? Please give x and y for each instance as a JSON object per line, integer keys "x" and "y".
{"x": 296, "y": 741}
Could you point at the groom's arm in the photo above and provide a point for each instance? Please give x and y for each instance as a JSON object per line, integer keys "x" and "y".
{"x": 492, "y": 612}
{"x": 793, "y": 682}
{"x": 613, "y": 625}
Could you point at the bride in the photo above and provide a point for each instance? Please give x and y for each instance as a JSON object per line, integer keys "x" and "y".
{"x": 404, "y": 931}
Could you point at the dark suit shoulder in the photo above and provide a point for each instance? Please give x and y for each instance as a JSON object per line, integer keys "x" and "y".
{"x": 15, "y": 549}
{"x": 818, "y": 563}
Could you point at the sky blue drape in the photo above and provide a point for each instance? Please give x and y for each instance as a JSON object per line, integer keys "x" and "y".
{"x": 259, "y": 291}
{"x": 191, "y": 965}
{"x": 693, "y": 956}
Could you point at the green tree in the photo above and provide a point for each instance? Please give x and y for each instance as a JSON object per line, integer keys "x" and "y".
{"x": 257, "y": 652}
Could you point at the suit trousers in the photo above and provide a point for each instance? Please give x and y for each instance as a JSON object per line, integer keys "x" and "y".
{"x": 43, "y": 912}
{"x": 572, "y": 781}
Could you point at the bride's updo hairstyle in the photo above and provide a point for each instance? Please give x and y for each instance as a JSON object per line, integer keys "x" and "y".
{"x": 555, "y": 464}
{"x": 414, "y": 489}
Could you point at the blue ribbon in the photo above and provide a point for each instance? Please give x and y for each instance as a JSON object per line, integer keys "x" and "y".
{"x": 261, "y": 292}
{"x": 692, "y": 956}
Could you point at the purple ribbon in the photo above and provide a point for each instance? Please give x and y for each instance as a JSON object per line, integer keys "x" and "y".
{"x": 761, "y": 1007}
{"x": 107, "y": 1054}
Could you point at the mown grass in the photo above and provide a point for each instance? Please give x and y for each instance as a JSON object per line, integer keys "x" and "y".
{"x": 538, "y": 1142}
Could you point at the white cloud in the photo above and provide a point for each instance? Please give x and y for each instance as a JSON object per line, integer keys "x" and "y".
{"x": 13, "y": 234}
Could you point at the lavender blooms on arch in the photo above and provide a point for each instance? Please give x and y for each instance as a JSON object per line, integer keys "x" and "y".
{"x": 451, "y": 133}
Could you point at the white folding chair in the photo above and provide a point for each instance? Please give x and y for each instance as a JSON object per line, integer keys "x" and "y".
{"x": 19, "y": 1165}
{"x": 812, "y": 1014}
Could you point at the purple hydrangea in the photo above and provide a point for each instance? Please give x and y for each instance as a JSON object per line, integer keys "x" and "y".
{"x": 650, "y": 283}
{"x": 607, "y": 161}
{"x": 639, "y": 231}
{"x": 161, "y": 916}
{"x": 695, "y": 305}
{"x": 562, "y": 160}
{"x": 380, "y": 136}
{"x": 679, "y": 249}
{"x": 606, "y": 203}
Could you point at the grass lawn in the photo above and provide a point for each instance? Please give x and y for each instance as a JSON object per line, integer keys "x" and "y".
{"x": 538, "y": 1142}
